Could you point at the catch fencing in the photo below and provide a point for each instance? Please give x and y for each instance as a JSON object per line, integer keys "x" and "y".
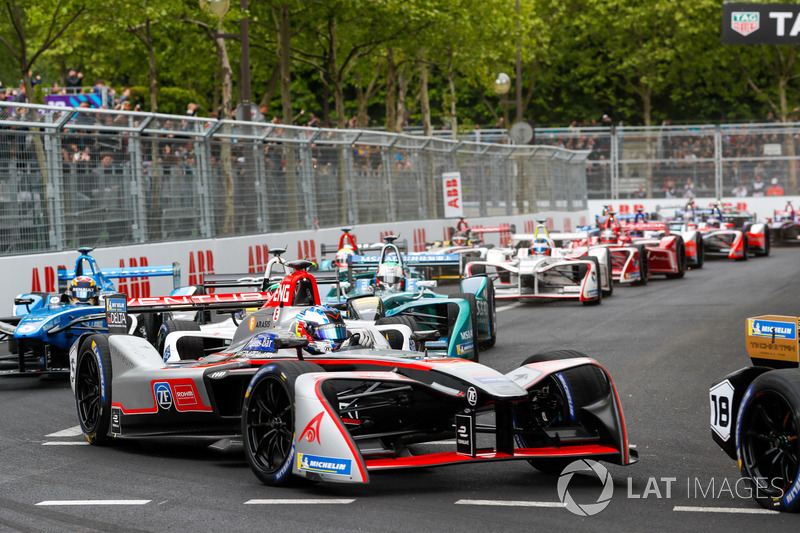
{"x": 73, "y": 177}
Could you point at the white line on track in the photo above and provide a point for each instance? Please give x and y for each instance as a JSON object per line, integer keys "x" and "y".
{"x": 66, "y": 443}
{"x": 509, "y": 503}
{"x": 93, "y": 502}
{"x": 500, "y": 309}
{"x": 302, "y": 501}
{"x": 74, "y": 431}
{"x": 731, "y": 510}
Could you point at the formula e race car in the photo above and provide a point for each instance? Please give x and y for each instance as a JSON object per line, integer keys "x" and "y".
{"x": 717, "y": 232}
{"x": 466, "y": 242}
{"x": 337, "y": 416}
{"x": 45, "y": 325}
{"x": 535, "y": 269}
{"x": 755, "y": 413}
{"x": 784, "y": 226}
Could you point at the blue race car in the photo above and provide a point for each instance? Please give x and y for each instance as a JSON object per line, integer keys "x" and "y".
{"x": 45, "y": 325}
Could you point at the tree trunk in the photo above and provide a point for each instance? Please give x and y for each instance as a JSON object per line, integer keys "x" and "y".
{"x": 151, "y": 72}
{"x": 402, "y": 91}
{"x": 391, "y": 91}
{"x": 451, "y": 83}
{"x": 226, "y": 160}
{"x": 285, "y": 64}
{"x": 424, "y": 99}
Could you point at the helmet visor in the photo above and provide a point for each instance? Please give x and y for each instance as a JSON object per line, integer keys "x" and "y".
{"x": 81, "y": 293}
{"x": 332, "y": 332}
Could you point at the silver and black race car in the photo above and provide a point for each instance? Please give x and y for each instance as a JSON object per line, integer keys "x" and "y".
{"x": 340, "y": 415}
{"x": 755, "y": 413}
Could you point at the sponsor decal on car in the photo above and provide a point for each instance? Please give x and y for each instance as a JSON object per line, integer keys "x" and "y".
{"x": 327, "y": 465}
{"x": 116, "y": 421}
{"x": 464, "y": 348}
{"x": 163, "y": 394}
{"x": 96, "y": 352}
{"x": 286, "y": 466}
{"x": 184, "y": 395}
{"x": 568, "y": 393}
{"x": 311, "y": 432}
{"x": 263, "y": 370}
{"x": 771, "y": 329}
{"x": 466, "y": 335}
{"x": 261, "y": 342}
{"x": 492, "y": 379}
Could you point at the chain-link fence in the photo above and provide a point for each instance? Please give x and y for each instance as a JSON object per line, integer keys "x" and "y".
{"x": 686, "y": 161}
{"x": 74, "y": 177}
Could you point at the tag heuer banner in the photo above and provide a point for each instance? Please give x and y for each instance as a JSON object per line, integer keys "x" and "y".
{"x": 760, "y": 23}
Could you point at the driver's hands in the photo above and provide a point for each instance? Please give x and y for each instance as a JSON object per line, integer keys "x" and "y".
{"x": 360, "y": 339}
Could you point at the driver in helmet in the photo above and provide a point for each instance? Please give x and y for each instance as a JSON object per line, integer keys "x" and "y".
{"x": 459, "y": 239}
{"x": 83, "y": 290}
{"x": 342, "y": 255}
{"x": 390, "y": 276}
{"x": 607, "y": 236}
{"x": 540, "y": 247}
{"x": 325, "y": 330}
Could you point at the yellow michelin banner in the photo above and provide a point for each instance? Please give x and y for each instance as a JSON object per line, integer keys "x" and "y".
{"x": 773, "y": 337}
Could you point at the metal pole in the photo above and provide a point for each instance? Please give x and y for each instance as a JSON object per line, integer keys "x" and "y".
{"x": 245, "y": 63}
{"x": 519, "y": 71}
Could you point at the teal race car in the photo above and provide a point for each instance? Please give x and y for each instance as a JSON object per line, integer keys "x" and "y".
{"x": 383, "y": 288}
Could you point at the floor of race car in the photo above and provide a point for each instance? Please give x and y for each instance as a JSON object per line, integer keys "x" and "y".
{"x": 663, "y": 343}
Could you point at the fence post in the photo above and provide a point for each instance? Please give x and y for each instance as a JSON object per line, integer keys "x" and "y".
{"x": 718, "y": 161}
{"x": 54, "y": 194}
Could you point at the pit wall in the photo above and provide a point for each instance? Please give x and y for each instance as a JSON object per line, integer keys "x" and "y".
{"x": 29, "y": 273}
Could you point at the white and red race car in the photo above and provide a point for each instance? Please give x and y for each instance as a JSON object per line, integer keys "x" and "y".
{"x": 533, "y": 268}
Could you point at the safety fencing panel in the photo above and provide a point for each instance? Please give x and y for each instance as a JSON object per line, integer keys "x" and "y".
{"x": 72, "y": 177}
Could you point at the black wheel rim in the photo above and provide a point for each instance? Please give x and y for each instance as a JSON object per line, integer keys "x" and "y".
{"x": 270, "y": 424}
{"x": 770, "y": 444}
{"x": 87, "y": 392}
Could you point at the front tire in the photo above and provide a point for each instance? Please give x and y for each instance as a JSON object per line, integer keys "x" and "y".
{"x": 680, "y": 247}
{"x": 556, "y": 403}
{"x": 93, "y": 389}
{"x": 769, "y": 449}
{"x": 644, "y": 269}
{"x": 268, "y": 420}
{"x": 599, "y": 299}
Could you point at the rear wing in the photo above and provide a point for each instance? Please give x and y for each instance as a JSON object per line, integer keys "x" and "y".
{"x": 198, "y": 302}
{"x": 326, "y": 249}
{"x": 173, "y": 270}
{"x": 647, "y": 226}
{"x": 371, "y": 261}
{"x": 503, "y": 228}
{"x": 772, "y": 340}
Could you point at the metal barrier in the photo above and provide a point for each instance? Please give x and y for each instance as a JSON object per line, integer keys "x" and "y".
{"x": 74, "y": 177}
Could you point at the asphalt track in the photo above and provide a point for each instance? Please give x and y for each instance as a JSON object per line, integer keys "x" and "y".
{"x": 663, "y": 343}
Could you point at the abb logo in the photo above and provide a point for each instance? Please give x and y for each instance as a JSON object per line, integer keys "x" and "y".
{"x": 567, "y": 225}
{"x": 200, "y": 263}
{"x": 384, "y": 234}
{"x": 625, "y": 209}
{"x": 307, "y": 249}
{"x": 741, "y": 206}
{"x": 49, "y": 279}
{"x": 419, "y": 240}
{"x": 529, "y": 226}
{"x": 258, "y": 257}
{"x": 134, "y": 287}
{"x": 582, "y": 221}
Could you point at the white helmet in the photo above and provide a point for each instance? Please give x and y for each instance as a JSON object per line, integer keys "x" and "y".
{"x": 390, "y": 276}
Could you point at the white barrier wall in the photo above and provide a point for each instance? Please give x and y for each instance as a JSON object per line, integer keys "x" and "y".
{"x": 762, "y": 206}
{"x": 29, "y": 273}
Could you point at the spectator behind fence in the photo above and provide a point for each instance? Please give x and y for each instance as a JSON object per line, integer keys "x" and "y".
{"x": 740, "y": 191}
{"x": 758, "y": 186}
{"x": 775, "y": 189}
{"x": 74, "y": 78}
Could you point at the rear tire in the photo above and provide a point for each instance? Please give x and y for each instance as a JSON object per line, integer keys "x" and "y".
{"x": 395, "y": 338}
{"x": 701, "y": 252}
{"x": 599, "y": 298}
{"x": 681, "y": 249}
{"x": 93, "y": 388}
{"x": 189, "y": 345}
{"x": 268, "y": 420}
{"x": 549, "y": 406}
{"x": 643, "y": 265}
{"x": 609, "y": 267}
{"x": 769, "y": 450}
{"x": 746, "y": 248}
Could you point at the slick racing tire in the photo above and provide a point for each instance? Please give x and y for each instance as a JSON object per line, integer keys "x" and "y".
{"x": 93, "y": 388}
{"x": 701, "y": 252}
{"x": 188, "y": 346}
{"x": 599, "y": 299}
{"x": 492, "y": 303}
{"x": 680, "y": 247}
{"x": 746, "y": 246}
{"x": 549, "y": 407}
{"x": 268, "y": 420}
{"x": 769, "y": 447}
{"x": 644, "y": 269}
{"x": 767, "y": 245}
{"x": 609, "y": 267}
{"x": 473, "y": 315}
{"x": 395, "y": 338}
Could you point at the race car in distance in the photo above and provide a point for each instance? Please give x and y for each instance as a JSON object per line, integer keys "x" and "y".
{"x": 755, "y": 413}
{"x": 643, "y": 248}
{"x": 337, "y": 416}
{"x": 720, "y": 233}
{"x": 347, "y": 246}
{"x": 45, "y": 325}
{"x": 383, "y": 287}
{"x": 535, "y": 269}
{"x": 784, "y": 226}
{"x": 468, "y": 243}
